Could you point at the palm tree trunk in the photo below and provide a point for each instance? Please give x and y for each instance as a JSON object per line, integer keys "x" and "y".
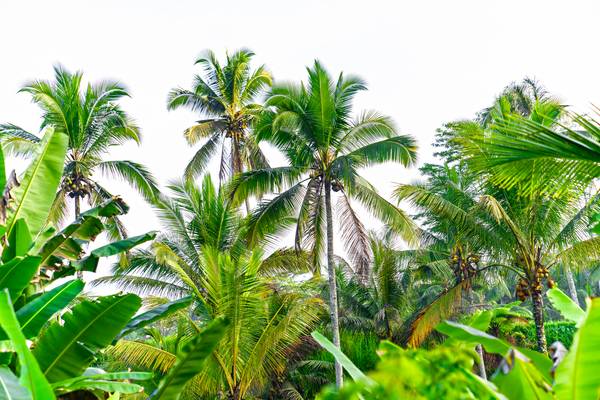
{"x": 571, "y": 284}
{"x": 538, "y": 317}
{"x": 481, "y": 363}
{"x": 77, "y": 201}
{"x": 333, "y": 303}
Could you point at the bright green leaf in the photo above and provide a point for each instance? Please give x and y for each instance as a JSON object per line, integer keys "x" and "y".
{"x": 65, "y": 350}
{"x": 31, "y": 376}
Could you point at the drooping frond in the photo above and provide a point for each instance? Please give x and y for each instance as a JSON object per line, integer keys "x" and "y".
{"x": 441, "y": 308}
{"x": 355, "y": 238}
{"x": 136, "y": 175}
{"x": 139, "y": 355}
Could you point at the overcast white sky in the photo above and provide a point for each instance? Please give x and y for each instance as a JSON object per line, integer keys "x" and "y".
{"x": 426, "y": 62}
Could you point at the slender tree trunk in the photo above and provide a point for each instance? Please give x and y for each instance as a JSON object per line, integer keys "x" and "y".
{"x": 478, "y": 348}
{"x": 77, "y": 201}
{"x": 571, "y": 284}
{"x": 538, "y": 317}
{"x": 482, "y": 372}
{"x": 333, "y": 302}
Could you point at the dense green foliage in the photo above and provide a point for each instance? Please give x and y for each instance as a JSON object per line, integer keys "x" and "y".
{"x": 446, "y": 303}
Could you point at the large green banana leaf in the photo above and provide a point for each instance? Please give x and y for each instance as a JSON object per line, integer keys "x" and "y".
{"x": 190, "y": 361}
{"x": 37, "y": 189}
{"x": 155, "y": 314}
{"x": 19, "y": 241}
{"x": 90, "y": 263}
{"x": 518, "y": 378}
{"x": 31, "y": 376}
{"x": 10, "y": 388}
{"x": 16, "y": 274}
{"x": 565, "y": 305}
{"x": 86, "y": 228}
{"x": 340, "y": 357}
{"x": 470, "y": 335}
{"x": 65, "y": 350}
{"x": 35, "y": 314}
{"x": 108, "y": 382}
{"x": 577, "y": 376}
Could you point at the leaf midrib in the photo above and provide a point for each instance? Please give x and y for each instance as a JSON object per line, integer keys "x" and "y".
{"x": 87, "y": 326}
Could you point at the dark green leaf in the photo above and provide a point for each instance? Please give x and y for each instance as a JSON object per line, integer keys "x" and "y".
{"x": 65, "y": 350}
{"x": 190, "y": 360}
{"x": 155, "y": 314}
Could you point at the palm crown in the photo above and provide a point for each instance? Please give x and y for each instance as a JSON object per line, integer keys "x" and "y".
{"x": 226, "y": 96}
{"x": 325, "y": 146}
{"x": 93, "y": 122}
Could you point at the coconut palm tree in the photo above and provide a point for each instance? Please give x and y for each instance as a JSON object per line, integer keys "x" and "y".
{"x": 94, "y": 122}
{"x": 458, "y": 249}
{"x": 225, "y": 96}
{"x": 202, "y": 254}
{"x": 313, "y": 125}
{"x": 527, "y": 235}
{"x": 381, "y": 305}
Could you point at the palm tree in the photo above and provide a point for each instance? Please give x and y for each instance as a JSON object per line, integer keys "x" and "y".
{"x": 202, "y": 254}
{"x": 527, "y": 235}
{"x": 312, "y": 125}
{"x": 458, "y": 249}
{"x": 381, "y": 305}
{"x": 225, "y": 95}
{"x": 94, "y": 122}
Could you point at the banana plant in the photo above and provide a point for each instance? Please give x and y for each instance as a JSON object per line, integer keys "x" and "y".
{"x": 526, "y": 374}
{"x": 51, "y": 340}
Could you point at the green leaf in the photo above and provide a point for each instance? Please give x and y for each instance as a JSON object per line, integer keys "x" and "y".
{"x": 90, "y": 263}
{"x": 155, "y": 314}
{"x": 34, "y": 196}
{"x": 35, "y": 314}
{"x": 19, "y": 241}
{"x": 2, "y": 171}
{"x": 102, "y": 385}
{"x": 110, "y": 208}
{"x": 577, "y": 374}
{"x": 16, "y": 274}
{"x": 340, "y": 357}
{"x": 471, "y": 335}
{"x": 107, "y": 382}
{"x": 10, "y": 388}
{"x": 567, "y": 307}
{"x": 65, "y": 350}
{"x": 190, "y": 360}
{"x": 31, "y": 377}
{"x": 86, "y": 227}
{"x": 518, "y": 378}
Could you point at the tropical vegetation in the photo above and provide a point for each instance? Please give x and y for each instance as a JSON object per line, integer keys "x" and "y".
{"x": 481, "y": 281}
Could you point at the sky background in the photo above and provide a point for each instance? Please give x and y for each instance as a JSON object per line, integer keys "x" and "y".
{"x": 425, "y": 62}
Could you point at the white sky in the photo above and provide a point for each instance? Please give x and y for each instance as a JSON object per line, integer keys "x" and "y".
{"x": 426, "y": 62}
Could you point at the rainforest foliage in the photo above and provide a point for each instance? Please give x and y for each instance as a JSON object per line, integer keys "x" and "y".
{"x": 480, "y": 283}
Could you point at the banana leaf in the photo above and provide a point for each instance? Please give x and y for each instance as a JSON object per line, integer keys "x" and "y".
{"x": 65, "y": 350}
{"x": 19, "y": 241}
{"x": 30, "y": 375}
{"x": 577, "y": 374}
{"x": 35, "y": 314}
{"x": 10, "y": 388}
{"x": 16, "y": 274}
{"x": 190, "y": 361}
{"x": 90, "y": 263}
{"x": 35, "y": 194}
{"x": 155, "y": 314}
